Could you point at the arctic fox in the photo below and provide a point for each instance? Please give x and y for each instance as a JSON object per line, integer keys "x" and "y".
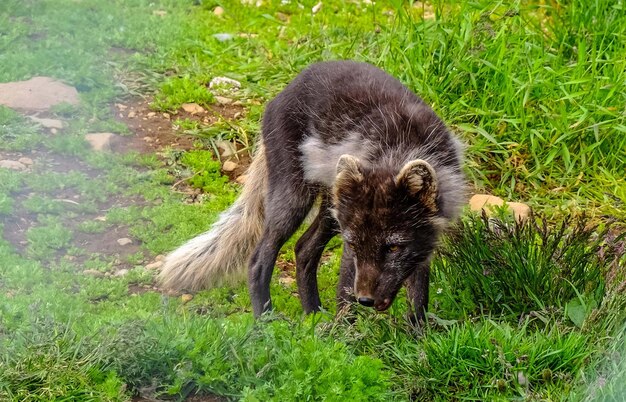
{"x": 387, "y": 173}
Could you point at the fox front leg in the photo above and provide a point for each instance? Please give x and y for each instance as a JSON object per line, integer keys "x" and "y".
{"x": 309, "y": 249}
{"x": 417, "y": 294}
{"x": 345, "y": 287}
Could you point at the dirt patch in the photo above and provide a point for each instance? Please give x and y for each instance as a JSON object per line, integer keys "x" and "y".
{"x": 153, "y": 131}
{"x": 194, "y": 398}
{"x": 17, "y": 224}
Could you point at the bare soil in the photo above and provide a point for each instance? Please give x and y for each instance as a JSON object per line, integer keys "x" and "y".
{"x": 151, "y": 133}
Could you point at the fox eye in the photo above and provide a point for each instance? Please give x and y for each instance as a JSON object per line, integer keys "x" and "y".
{"x": 392, "y": 248}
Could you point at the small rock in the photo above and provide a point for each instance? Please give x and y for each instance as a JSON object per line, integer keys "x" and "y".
{"x": 186, "y": 298}
{"x": 154, "y": 265}
{"x": 160, "y": 257}
{"x": 151, "y": 114}
{"x": 520, "y": 210}
{"x": 223, "y": 37}
{"x": 124, "y": 241}
{"x": 120, "y": 106}
{"x": 37, "y": 94}
{"x": 521, "y": 379}
{"x": 219, "y": 11}
{"x": 166, "y": 116}
{"x": 100, "y": 218}
{"x": 26, "y": 161}
{"x": 121, "y": 272}
{"x": 228, "y": 148}
{"x": 100, "y": 141}
{"x": 131, "y": 115}
{"x": 224, "y": 81}
{"x": 484, "y": 201}
{"x": 241, "y": 179}
{"x": 316, "y": 8}
{"x": 160, "y": 13}
{"x": 14, "y": 165}
{"x": 192, "y": 108}
{"x": 480, "y": 202}
{"x": 93, "y": 272}
{"x": 148, "y": 139}
{"x": 229, "y": 166}
{"x": 48, "y": 123}
{"x": 54, "y": 130}
{"x": 221, "y": 100}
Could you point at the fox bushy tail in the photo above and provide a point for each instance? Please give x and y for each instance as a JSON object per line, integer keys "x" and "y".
{"x": 221, "y": 255}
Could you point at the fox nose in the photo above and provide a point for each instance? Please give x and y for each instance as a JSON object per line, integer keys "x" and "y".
{"x": 366, "y": 301}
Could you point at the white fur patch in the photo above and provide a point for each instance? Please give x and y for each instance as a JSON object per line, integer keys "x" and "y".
{"x": 320, "y": 160}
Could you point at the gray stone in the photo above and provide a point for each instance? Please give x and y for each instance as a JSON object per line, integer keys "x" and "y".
{"x": 124, "y": 241}
{"x": 100, "y": 141}
{"x": 37, "y": 94}
{"x": 48, "y": 123}
{"x": 229, "y": 166}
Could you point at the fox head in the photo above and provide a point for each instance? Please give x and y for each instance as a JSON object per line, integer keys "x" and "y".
{"x": 389, "y": 222}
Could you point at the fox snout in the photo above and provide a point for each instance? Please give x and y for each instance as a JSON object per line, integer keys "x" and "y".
{"x": 366, "y": 289}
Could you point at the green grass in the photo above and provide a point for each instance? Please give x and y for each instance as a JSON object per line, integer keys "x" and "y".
{"x": 534, "y": 312}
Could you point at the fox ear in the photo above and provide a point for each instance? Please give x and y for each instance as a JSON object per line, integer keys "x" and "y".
{"x": 420, "y": 180}
{"x": 348, "y": 168}
{"x": 348, "y": 173}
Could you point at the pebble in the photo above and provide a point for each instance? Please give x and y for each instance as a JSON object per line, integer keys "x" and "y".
{"x": 124, "y": 241}
{"x": 154, "y": 265}
{"x": 192, "y": 108}
{"x": 520, "y": 210}
{"x": 224, "y": 81}
{"x": 186, "y": 298}
{"x": 241, "y": 179}
{"x": 219, "y": 11}
{"x": 100, "y": 141}
{"x": 480, "y": 201}
{"x": 26, "y": 161}
{"x": 48, "y": 123}
{"x": 121, "y": 272}
{"x": 222, "y": 100}
{"x": 229, "y": 166}
{"x": 228, "y": 148}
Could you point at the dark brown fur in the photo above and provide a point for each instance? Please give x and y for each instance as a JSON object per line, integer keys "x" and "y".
{"x": 388, "y": 174}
